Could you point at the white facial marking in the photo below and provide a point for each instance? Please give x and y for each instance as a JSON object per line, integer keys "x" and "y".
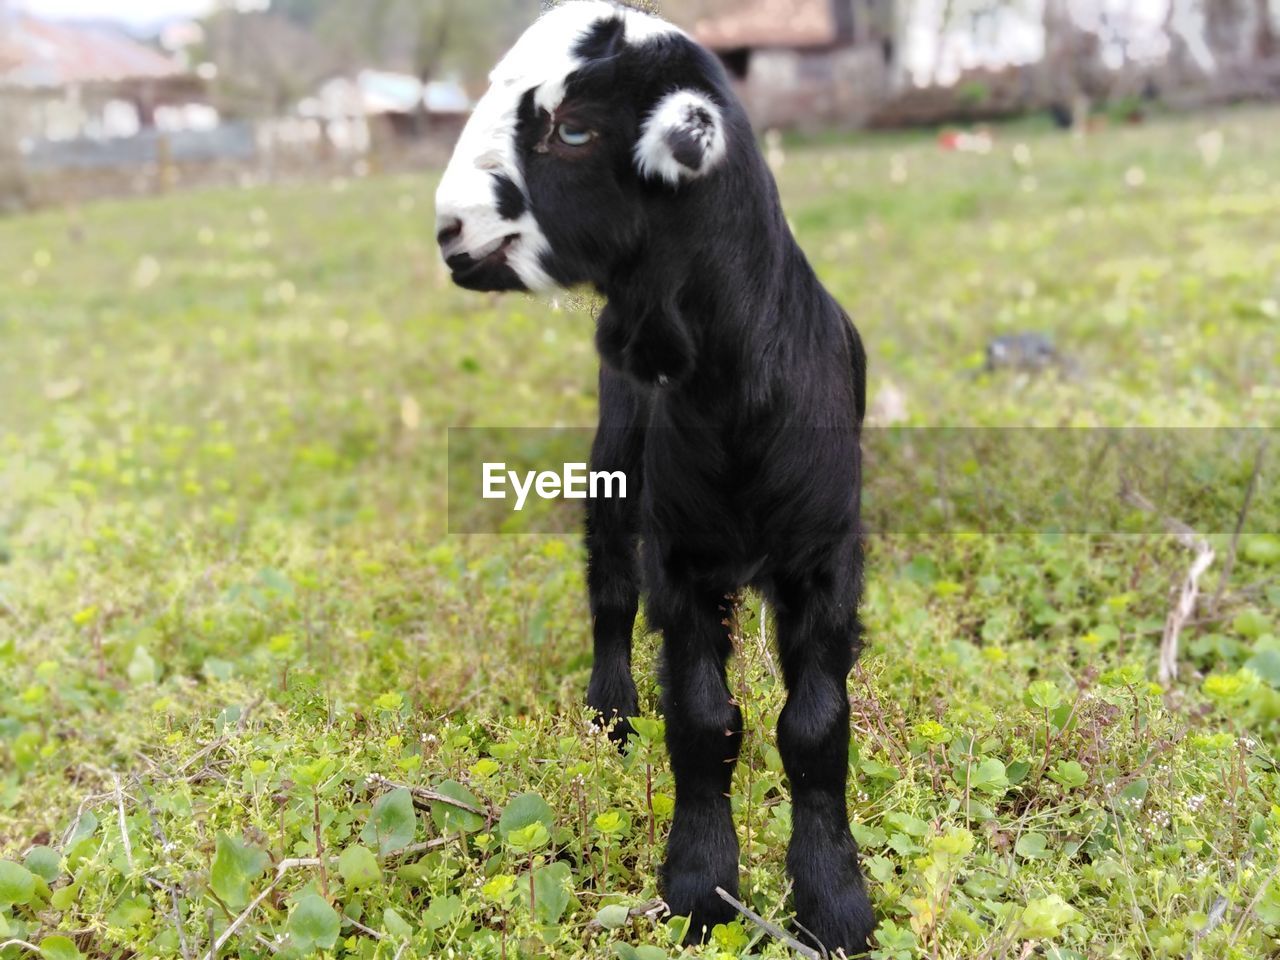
{"x": 682, "y": 139}
{"x": 541, "y": 60}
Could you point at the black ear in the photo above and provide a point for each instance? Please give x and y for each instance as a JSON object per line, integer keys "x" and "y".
{"x": 682, "y": 138}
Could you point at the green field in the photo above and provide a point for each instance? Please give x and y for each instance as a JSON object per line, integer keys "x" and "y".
{"x": 232, "y": 620}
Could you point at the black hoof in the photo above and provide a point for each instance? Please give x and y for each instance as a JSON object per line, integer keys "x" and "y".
{"x": 694, "y": 896}
{"x": 702, "y": 854}
{"x": 847, "y": 927}
{"x": 832, "y": 906}
{"x": 614, "y": 700}
{"x": 619, "y": 727}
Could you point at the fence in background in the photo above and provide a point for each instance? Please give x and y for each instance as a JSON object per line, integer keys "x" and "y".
{"x": 241, "y": 153}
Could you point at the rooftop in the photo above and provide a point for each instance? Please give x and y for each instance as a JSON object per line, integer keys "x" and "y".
{"x": 771, "y": 23}
{"x": 41, "y": 54}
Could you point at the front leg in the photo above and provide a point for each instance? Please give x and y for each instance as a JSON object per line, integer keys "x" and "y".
{"x": 704, "y": 733}
{"x": 613, "y": 580}
{"x": 818, "y": 640}
{"x": 614, "y": 595}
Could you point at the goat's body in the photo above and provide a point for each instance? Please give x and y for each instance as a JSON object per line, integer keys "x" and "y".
{"x": 748, "y": 476}
{"x": 611, "y": 150}
{"x": 742, "y": 497}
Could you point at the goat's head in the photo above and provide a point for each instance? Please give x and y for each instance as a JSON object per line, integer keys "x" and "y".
{"x": 595, "y": 109}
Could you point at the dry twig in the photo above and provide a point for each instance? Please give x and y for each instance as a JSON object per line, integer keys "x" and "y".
{"x": 1216, "y": 912}
{"x": 75, "y": 823}
{"x": 247, "y": 912}
{"x": 426, "y": 794}
{"x": 368, "y": 931}
{"x": 770, "y": 928}
{"x": 124, "y": 829}
{"x": 650, "y": 908}
{"x": 1189, "y": 590}
{"x": 294, "y": 863}
{"x": 175, "y": 916}
{"x": 764, "y": 639}
{"x": 21, "y": 943}
{"x": 1253, "y": 905}
{"x": 247, "y": 712}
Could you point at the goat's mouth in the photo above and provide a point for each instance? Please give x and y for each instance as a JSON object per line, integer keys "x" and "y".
{"x": 486, "y": 268}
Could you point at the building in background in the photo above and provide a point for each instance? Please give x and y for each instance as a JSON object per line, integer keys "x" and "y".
{"x": 66, "y": 81}
{"x": 382, "y": 111}
{"x": 807, "y": 63}
{"x": 89, "y": 111}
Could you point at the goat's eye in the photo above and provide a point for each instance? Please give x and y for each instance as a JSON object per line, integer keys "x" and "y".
{"x": 573, "y": 136}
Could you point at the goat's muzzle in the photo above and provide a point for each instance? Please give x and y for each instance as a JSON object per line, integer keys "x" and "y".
{"x": 483, "y": 269}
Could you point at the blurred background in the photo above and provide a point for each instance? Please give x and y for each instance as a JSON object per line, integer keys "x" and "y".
{"x": 101, "y": 98}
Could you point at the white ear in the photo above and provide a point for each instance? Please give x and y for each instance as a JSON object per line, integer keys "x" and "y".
{"x": 682, "y": 139}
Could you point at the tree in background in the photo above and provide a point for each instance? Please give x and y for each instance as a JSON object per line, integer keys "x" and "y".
{"x": 1265, "y": 47}
{"x": 433, "y": 39}
{"x": 265, "y": 62}
{"x": 1235, "y": 48}
{"x": 1216, "y": 50}
{"x": 428, "y": 38}
{"x": 1226, "y": 25}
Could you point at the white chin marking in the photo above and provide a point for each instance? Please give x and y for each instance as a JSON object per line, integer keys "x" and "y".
{"x": 682, "y": 138}
{"x": 525, "y": 256}
{"x": 542, "y": 61}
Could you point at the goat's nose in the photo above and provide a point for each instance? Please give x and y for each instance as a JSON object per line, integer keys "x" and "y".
{"x": 448, "y": 230}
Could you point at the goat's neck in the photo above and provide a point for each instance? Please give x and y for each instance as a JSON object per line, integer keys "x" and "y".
{"x": 713, "y": 294}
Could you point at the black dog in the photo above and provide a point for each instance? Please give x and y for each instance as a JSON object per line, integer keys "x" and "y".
{"x": 611, "y": 151}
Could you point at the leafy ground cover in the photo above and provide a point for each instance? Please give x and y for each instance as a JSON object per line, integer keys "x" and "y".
{"x": 255, "y": 700}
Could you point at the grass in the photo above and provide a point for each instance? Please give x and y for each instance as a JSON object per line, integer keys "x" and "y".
{"x": 242, "y": 663}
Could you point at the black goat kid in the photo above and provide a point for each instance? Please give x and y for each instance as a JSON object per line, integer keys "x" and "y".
{"x": 611, "y": 151}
